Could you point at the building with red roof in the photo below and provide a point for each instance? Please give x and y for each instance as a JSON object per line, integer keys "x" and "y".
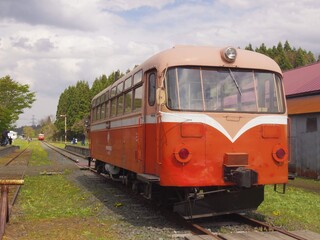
{"x": 302, "y": 88}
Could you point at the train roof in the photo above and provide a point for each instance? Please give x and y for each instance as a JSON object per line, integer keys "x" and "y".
{"x": 183, "y": 55}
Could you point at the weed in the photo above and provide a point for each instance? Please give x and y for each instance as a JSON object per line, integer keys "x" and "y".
{"x": 296, "y": 209}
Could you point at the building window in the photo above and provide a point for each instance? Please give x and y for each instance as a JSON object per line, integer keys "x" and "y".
{"x": 312, "y": 124}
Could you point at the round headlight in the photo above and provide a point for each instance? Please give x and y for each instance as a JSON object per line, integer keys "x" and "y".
{"x": 229, "y": 54}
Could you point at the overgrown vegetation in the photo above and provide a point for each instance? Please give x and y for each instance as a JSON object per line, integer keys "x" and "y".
{"x": 53, "y": 196}
{"x": 39, "y": 156}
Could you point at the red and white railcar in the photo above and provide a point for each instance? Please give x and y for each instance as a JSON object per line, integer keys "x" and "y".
{"x": 206, "y": 125}
{"x": 41, "y": 136}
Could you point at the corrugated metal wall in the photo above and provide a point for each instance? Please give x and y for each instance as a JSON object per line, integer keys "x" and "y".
{"x": 305, "y": 144}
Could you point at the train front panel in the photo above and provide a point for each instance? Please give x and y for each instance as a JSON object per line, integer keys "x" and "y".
{"x": 221, "y": 127}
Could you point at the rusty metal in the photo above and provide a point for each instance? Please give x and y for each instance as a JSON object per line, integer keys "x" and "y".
{"x": 16, "y": 156}
{"x": 203, "y": 230}
{"x": 4, "y": 204}
{"x": 4, "y": 209}
{"x": 11, "y": 181}
{"x": 269, "y": 227}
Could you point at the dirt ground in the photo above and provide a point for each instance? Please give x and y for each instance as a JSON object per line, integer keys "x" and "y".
{"x": 308, "y": 184}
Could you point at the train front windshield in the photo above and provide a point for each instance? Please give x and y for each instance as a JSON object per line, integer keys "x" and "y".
{"x": 223, "y": 90}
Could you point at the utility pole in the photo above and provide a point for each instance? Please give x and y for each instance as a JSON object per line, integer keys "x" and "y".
{"x": 65, "y": 127}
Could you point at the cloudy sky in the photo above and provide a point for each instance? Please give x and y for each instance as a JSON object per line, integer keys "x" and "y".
{"x": 52, "y": 44}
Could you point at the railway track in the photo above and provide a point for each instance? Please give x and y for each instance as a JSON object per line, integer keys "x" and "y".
{"x": 249, "y": 228}
{"x": 12, "y": 172}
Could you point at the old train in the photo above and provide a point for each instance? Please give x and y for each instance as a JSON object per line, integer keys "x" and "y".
{"x": 202, "y": 129}
{"x": 41, "y": 136}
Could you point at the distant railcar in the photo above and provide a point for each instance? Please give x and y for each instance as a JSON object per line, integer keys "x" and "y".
{"x": 200, "y": 127}
{"x": 41, "y": 137}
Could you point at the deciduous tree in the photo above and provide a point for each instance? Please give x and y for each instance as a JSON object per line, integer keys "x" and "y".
{"x": 14, "y": 98}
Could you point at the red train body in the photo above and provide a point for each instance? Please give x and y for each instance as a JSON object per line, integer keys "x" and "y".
{"x": 41, "y": 137}
{"x": 206, "y": 125}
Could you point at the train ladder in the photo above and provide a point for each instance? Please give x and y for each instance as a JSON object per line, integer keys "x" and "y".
{"x": 4, "y": 204}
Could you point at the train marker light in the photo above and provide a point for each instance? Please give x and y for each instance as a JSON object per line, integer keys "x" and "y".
{"x": 182, "y": 154}
{"x": 279, "y": 153}
{"x": 229, "y": 54}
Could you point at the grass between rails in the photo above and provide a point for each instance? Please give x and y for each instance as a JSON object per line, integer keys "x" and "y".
{"x": 39, "y": 155}
{"x": 296, "y": 209}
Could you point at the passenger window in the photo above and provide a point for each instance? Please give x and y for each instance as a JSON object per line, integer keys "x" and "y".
{"x": 127, "y": 83}
{"x": 107, "y": 96}
{"x": 107, "y": 109}
{"x": 103, "y": 111}
{"x": 94, "y": 112}
{"x": 120, "y": 105}
{"x": 137, "y": 102}
{"x": 127, "y": 102}
{"x": 98, "y": 112}
{"x": 120, "y": 88}
{"x": 137, "y": 77}
{"x": 113, "y": 107}
{"x": 152, "y": 89}
{"x": 113, "y": 91}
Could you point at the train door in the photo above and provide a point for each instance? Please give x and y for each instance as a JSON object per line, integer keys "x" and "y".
{"x": 150, "y": 122}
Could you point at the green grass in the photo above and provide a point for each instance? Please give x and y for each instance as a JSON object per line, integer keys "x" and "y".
{"x": 39, "y": 156}
{"x": 53, "y": 196}
{"x": 23, "y": 144}
{"x": 296, "y": 209}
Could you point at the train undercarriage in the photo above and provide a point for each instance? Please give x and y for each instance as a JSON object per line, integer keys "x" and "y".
{"x": 189, "y": 202}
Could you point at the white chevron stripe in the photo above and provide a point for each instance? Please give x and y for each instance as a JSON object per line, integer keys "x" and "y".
{"x": 205, "y": 119}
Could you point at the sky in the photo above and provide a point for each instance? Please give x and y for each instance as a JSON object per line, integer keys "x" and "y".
{"x": 52, "y": 44}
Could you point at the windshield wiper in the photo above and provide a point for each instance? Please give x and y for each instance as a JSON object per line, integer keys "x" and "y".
{"x": 235, "y": 81}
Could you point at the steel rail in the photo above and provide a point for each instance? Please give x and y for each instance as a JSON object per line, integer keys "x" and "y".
{"x": 269, "y": 227}
{"x": 4, "y": 202}
{"x": 61, "y": 151}
{"x": 20, "y": 153}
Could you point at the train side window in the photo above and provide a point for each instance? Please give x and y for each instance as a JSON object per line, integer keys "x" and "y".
{"x": 152, "y": 89}
{"x": 137, "y": 101}
{"x": 120, "y": 105}
{"x": 137, "y": 77}
{"x": 107, "y": 109}
{"x": 120, "y": 88}
{"x": 127, "y": 102}
{"x": 113, "y": 107}
{"x": 103, "y": 111}
{"x": 127, "y": 83}
{"x": 94, "y": 118}
{"x": 113, "y": 91}
{"x": 107, "y": 96}
{"x": 98, "y": 112}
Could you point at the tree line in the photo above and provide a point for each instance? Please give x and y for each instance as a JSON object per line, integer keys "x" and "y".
{"x": 74, "y": 106}
{"x": 286, "y": 56}
{"x": 74, "y": 102}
